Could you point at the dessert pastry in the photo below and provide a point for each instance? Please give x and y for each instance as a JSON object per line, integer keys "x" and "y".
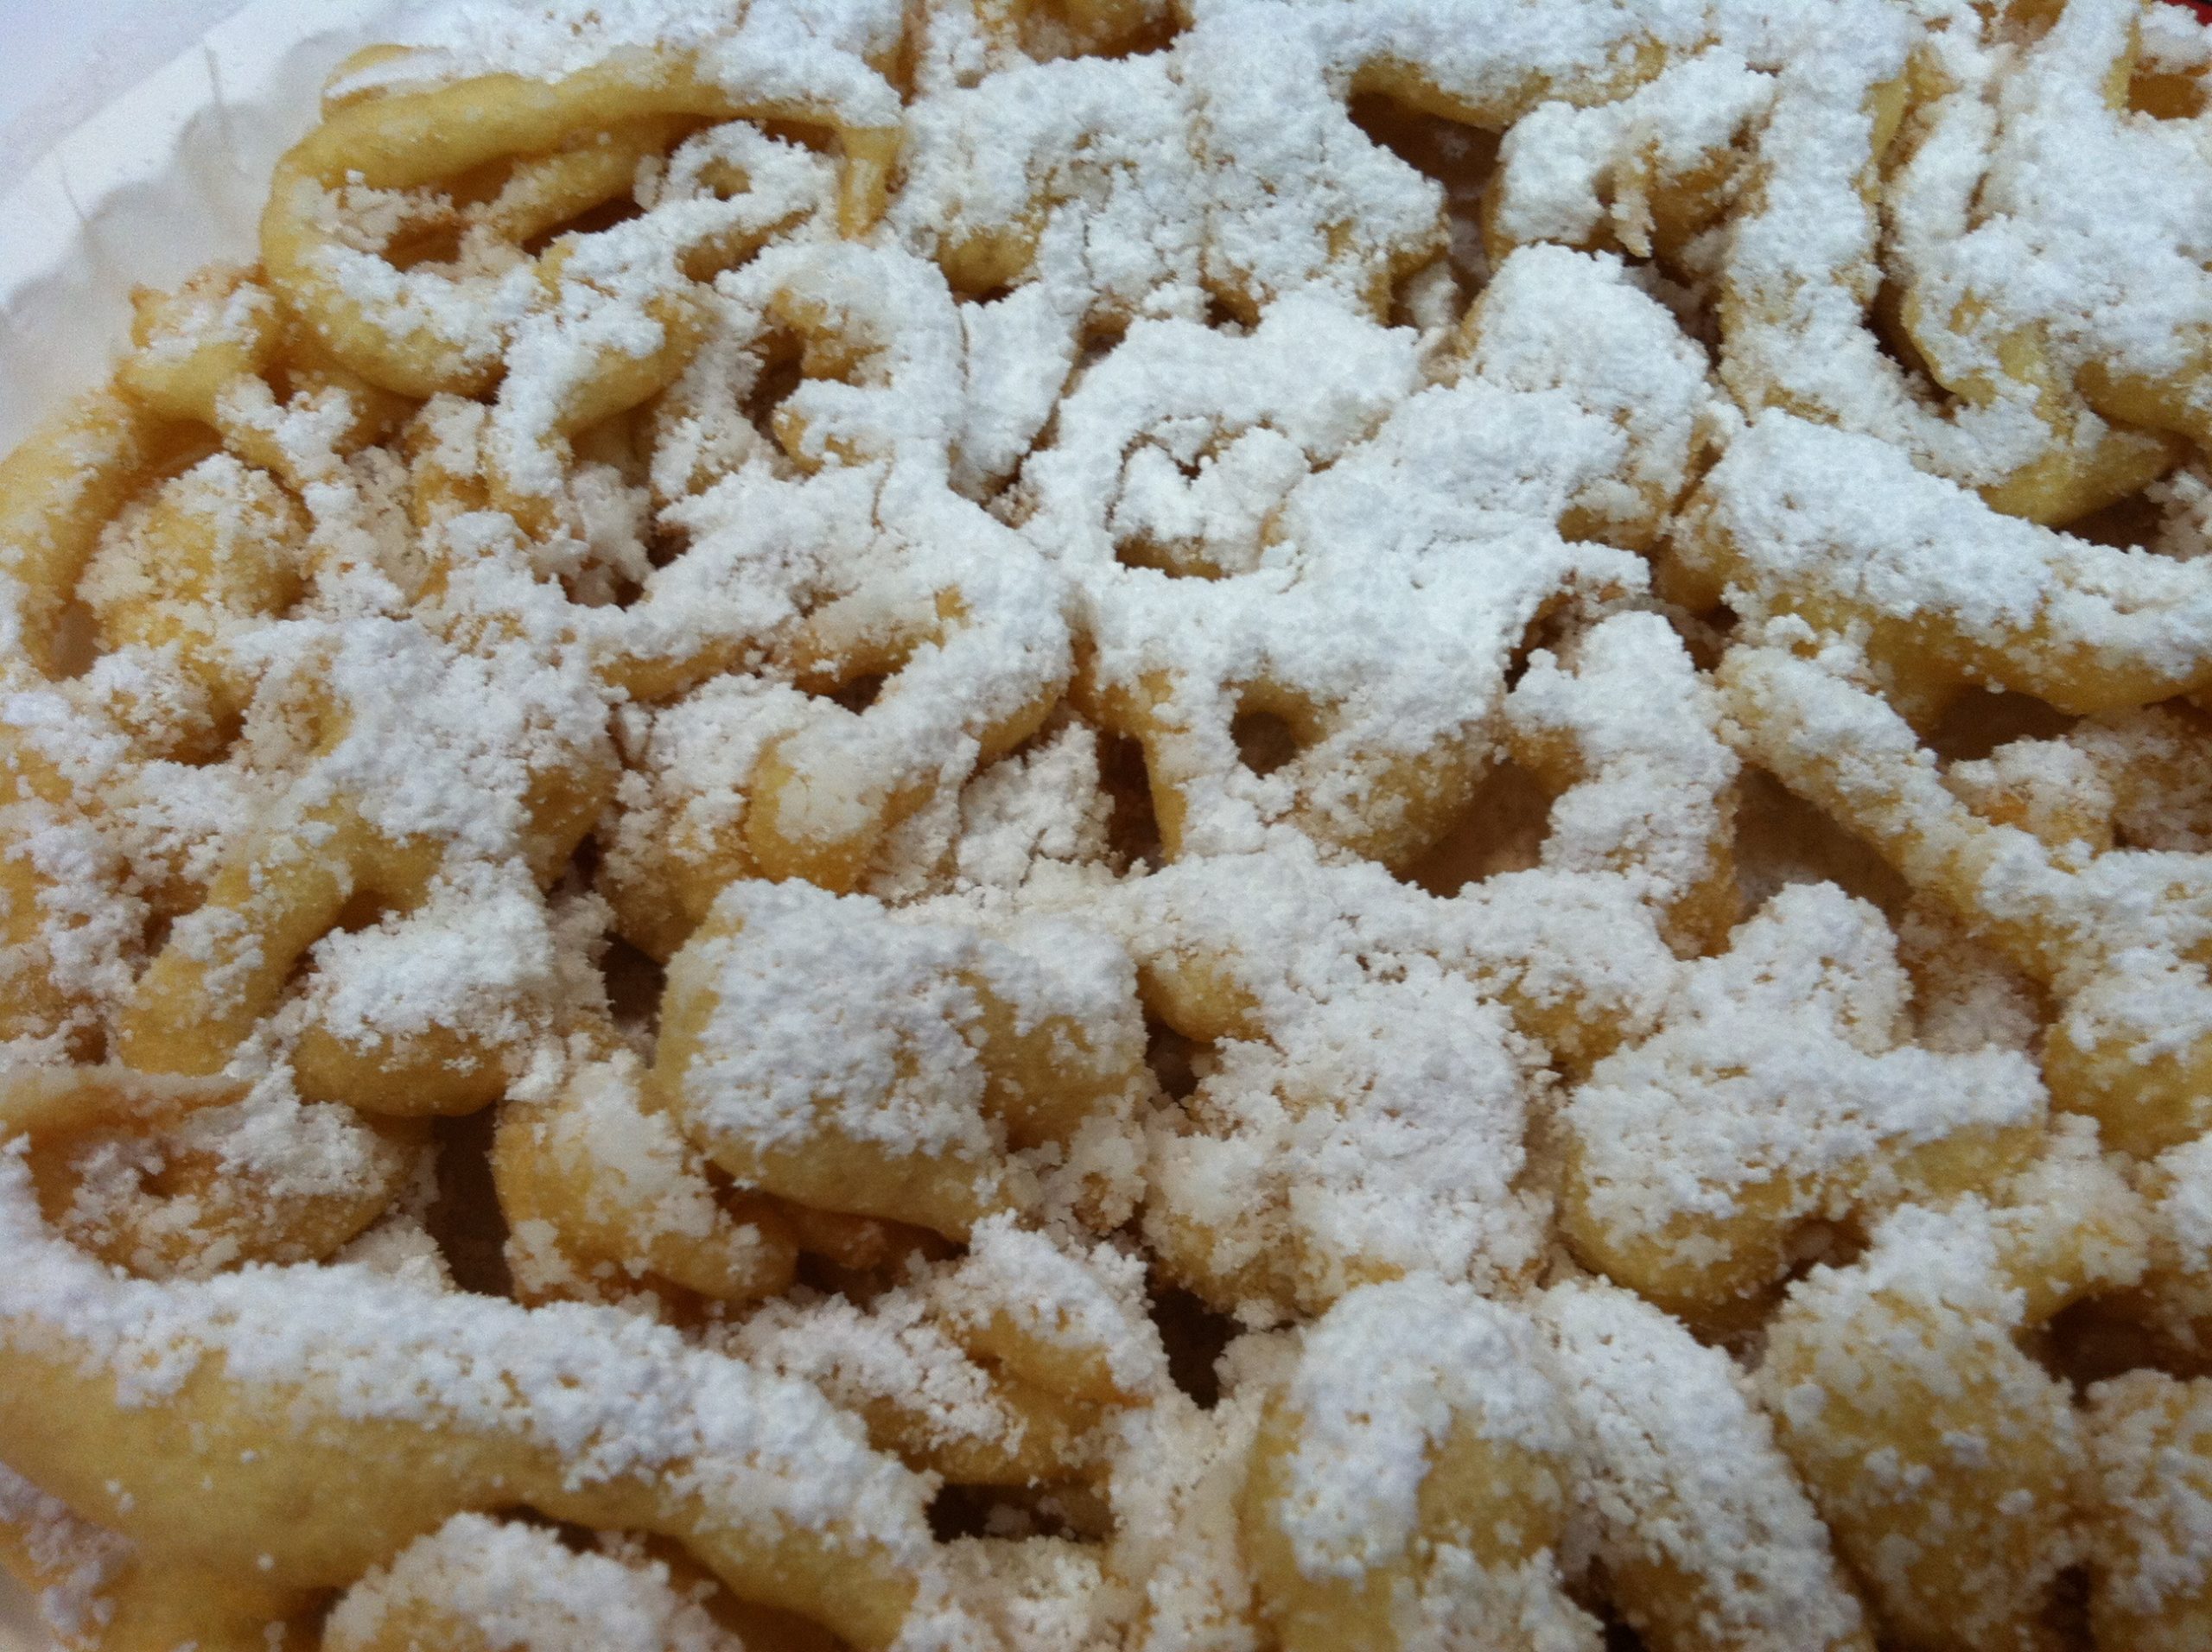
{"x": 1135, "y": 826}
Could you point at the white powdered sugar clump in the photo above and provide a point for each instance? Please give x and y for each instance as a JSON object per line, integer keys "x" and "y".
{"x": 1551, "y": 320}
{"x": 1092, "y": 1306}
{"x": 1044, "y": 1594}
{"x": 2184, "y": 1210}
{"x": 1044, "y": 806}
{"x": 875, "y": 1049}
{"x": 481, "y": 949}
{"x": 1382, "y": 1380}
{"x": 1377, "y": 1131}
{"x": 425, "y": 741}
{"x": 1683, "y": 1472}
{"x": 511, "y": 1587}
{"x": 892, "y": 1354}
{"x": 1266, "y": 112}
{"x": 1651, "y": 795}
{"x": 772, "y": 48}
{"x": 1178, "y": 1474}
{"x": 1816, "y": 510}
{"x": 1566, "y": 170}
{"x": 2124, "y": 283}
{"x": 1078, "y": 175}
{"x": 907, "y": 1050}
{"x": 1781, "y": 1060}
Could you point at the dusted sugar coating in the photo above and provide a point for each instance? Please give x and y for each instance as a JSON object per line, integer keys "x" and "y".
{"x": 476, "y": 1582}
{"x": 2149, "y": 1532}
{"x": 1695, "y": 1508}
{"x": 1405, "y": 1486}
{"x": 1135, "y": 826}
{"x": 1940, "y": 1453}
{"x": 1775, "y": 1092}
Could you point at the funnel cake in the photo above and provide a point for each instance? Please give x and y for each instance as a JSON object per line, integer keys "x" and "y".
{"x": 1135, "y": 826}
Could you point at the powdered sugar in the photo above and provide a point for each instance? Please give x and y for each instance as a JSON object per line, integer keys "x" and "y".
{"x": 886, "y": 1059}
{"x": 611, "y": 1396}
{"x": 1781, "y": 1061}
{"x": 1685, "y": 1475}
{"x": 514, "y": 1587}
{"x": 1382, "y": 1381}
{"x": 1377, "y": 1131}
{"x": 73, "y": 1563}
{"x": 1811, "y": 509}
{"x": 1148, "y": 565}
{"x": 806, "y": 43}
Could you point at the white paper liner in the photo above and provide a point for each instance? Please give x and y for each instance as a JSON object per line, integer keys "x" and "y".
{"x": 168, "y": 176}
